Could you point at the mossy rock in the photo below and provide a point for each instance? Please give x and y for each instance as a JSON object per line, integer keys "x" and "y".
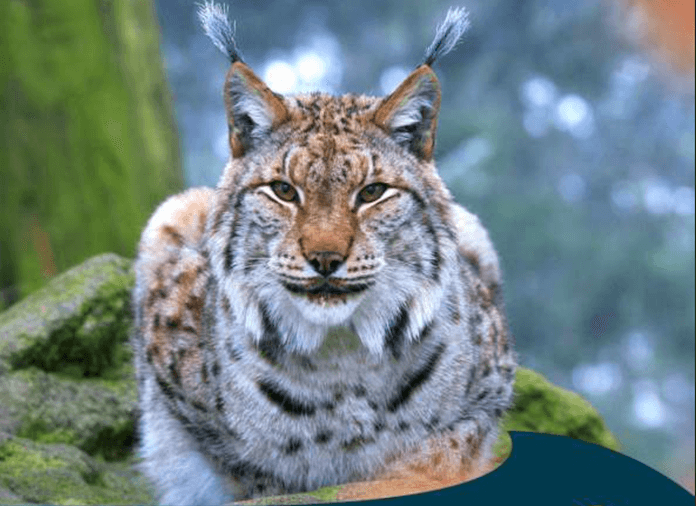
{"x": 69, "y": 397}
{"x": 68, "y": 393}
{"x": 62, "y": 474}
{"x": 543, "y": 407}
{"x": 76, "y": 324}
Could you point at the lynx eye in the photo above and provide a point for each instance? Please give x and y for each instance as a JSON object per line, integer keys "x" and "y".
{"x": 284, "y": 191}
{"x": 371, "y": 192}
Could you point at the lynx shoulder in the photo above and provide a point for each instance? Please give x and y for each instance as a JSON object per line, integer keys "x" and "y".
{"x": 327, "y": 313}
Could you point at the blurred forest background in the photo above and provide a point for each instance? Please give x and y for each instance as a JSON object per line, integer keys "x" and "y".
{"x": 568, "y": 127}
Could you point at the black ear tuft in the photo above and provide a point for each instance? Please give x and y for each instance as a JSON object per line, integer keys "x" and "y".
{"x": 447, "y": 35}
{"x": 213, "y": 17}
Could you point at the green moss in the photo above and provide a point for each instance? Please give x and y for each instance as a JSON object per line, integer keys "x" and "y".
{"x": 90, "y": 414}
{"x": 14, "y": 456}
{"x": 38, "y": 430}
{"x": 77, "y": 325}
{"x": 327, "y": 494}
{"x": 502, "y": 448}
{"x": 543, "y": 407}
{"x": 109, "y": 443}
{"x": 85, "y": 345}
{"x": 113, "y": 442}
{"x": 60, "y": 474}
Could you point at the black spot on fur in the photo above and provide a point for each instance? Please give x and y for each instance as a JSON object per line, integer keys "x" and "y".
{"x": 433, "y": 423}
{"x": 436, "y": 262}
{"x": 356, "y": 443}
{"x": 270, "y": 346}
{"x": 204, "y": 374}
{"x": 424, "y": 333}
{"x": 359, "y": 391}
{"x": 436, "y": 258}
{"x": 293, "y": 446}
{"x": 470, "y": 380}
{"x": 156, "y": 321}
{"x": 378, "y": 426}
{"x": 167, "y": 389}
{"x": 199, "y": 407}
{"x": 323, "y": 437}
{"x": 404, "y": 426}
{"x": 174, "y": 373}
{"x": 229, "y": 257}
{"x": 285, "y": 400}
{"x": 219, "y": 403}
{"x": 234, "y": 353}
{"x": 171, "y": 323}
{"x": 307, "y": 364}
{"x": 475, "y": 319}
{"x": 207, "y": 435}
{"x": 228, "y": 254}
{"x": 216, "y": 368}
{"x": 241, "y": 468}
{"x": 482, "y": 395}
{"x": 395, "y": 333}
{"x": 414, "y": 380}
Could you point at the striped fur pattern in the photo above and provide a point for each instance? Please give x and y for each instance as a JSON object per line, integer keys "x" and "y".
{"x": 326, "y": 314}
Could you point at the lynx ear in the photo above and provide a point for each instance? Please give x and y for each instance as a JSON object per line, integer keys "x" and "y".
{"x": 409, "y": 114}
{"x": 253, "y": 110}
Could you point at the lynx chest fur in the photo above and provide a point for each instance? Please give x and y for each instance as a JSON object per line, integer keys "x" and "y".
{"x": 327, "y": 313}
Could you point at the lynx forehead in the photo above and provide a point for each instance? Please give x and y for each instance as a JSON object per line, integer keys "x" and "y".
{"x": 327, "y": 313}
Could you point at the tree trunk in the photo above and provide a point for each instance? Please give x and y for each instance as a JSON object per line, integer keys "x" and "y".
{"x": 88, "y": 144}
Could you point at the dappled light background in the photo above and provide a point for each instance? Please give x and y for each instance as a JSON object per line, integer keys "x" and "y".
{"x": 568, "y": 127}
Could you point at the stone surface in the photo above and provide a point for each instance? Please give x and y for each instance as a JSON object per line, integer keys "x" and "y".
{"x": 69, "y": 400}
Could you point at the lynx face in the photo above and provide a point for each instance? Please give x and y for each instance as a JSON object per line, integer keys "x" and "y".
{"x": 328, "y": 213}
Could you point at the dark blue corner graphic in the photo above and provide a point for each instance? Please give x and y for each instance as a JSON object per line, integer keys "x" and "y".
{"x": 556, "y": 470}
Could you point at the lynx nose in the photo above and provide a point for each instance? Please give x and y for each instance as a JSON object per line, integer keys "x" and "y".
{"x": 325, "y": 262}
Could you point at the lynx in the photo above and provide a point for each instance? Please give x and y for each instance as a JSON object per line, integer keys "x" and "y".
{"x": 327, "y": 314}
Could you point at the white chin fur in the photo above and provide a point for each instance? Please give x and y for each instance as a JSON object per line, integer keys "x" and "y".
{"x": 327, "y": 312}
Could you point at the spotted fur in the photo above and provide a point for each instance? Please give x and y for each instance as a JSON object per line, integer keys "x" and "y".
{"x": 327, "y": 313}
